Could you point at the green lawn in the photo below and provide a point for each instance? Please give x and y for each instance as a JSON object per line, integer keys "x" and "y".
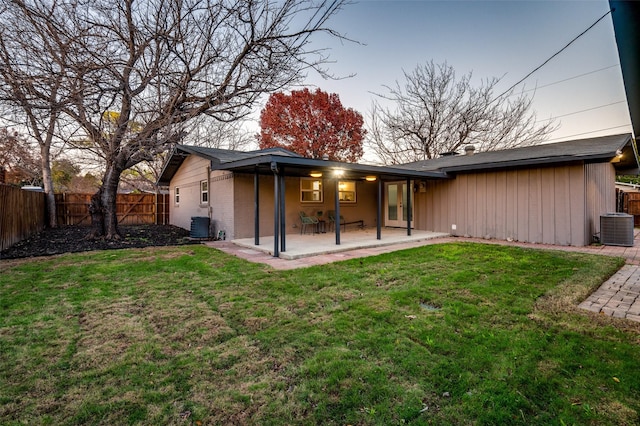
{"x": 442, "y": 334}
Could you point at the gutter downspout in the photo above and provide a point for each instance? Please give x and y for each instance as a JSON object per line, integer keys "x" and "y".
{"x": 209, "y": 213}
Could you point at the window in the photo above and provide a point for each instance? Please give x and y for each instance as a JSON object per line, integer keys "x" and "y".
{"x": 347, "y": 191}
{"x": 177, "y": 196}
{"x": 310, "y": 190}
{"x": 204, "y": 192}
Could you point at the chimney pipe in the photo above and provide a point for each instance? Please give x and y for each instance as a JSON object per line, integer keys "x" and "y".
{"x": 469, "y": 150}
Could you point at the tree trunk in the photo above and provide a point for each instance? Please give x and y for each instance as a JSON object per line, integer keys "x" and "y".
{"x": 47, "y": 180}
{"x": 97, "y": 216}
{"x": 110, "y": 190}
{"x": 104, "y": 219}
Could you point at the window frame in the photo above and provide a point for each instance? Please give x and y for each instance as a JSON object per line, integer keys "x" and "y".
{"x": 176, "y": 196}
{"x": 204, "y": 193}
{"x": 341, "y": 192}
{"x": 303, "y": 190}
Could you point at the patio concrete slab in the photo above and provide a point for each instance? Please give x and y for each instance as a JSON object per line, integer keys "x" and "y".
{"x": 307, "y": 245}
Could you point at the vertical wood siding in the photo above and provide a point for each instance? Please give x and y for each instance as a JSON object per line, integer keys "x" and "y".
{"x": 539, "y": 205}
{"x": 600, "y": 194}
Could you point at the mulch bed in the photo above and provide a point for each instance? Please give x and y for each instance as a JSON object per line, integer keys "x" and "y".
{"x": 73, "y": 239}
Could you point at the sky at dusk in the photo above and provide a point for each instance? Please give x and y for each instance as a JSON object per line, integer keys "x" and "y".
{"x": 506, "y": 39}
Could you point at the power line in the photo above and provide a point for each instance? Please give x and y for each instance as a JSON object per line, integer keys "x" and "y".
{"x": 567, "y": 79}
{"x": 586, "y": 133}
{"x": 554, "y": 55}
{"x": 581, "y": 111}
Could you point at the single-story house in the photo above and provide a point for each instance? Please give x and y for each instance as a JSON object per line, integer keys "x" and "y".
{"x": 550, "y": 193}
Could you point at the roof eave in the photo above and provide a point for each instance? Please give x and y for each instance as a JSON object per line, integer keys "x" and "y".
{"x": 311, "y": 163}
{"x": 166, "y": 175}
{"x": 625, "y": 16}
{"x": 529, "y": 162}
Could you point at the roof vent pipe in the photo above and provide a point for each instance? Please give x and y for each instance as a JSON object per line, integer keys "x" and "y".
{"x": 325, "y": 156}
{"x": 469, "y": 150}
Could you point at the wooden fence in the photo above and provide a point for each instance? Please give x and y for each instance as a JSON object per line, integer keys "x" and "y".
{"x": 22, "y": 214}
{"x": 630, "y": 203}
{"x": 132, "y": 209}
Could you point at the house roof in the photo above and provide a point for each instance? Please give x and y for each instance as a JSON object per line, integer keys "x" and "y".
{"x": 215, "y": 155}
{"x": 625, "y": 16}
{"x": 293, "y": 164}
{"x": 227, "y": 155}
{"x": 300, "y": 166}
{"x": 599, "y": 149}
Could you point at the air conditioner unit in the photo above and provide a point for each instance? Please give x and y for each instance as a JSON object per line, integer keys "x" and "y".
{"x": 616, "y": 229}
{"x": 199, "y": 227}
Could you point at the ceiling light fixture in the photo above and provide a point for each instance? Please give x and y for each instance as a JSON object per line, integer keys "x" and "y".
{"x": 370, "y": 178}
{"x": 315, "y": 174}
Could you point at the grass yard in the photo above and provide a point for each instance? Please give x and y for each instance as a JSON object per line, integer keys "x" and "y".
{"x": 442, "y": 334}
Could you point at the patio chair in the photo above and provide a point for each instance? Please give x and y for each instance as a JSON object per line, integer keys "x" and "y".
{"x": 331, "y": 214}
{"x": 308, "y": 220}
{"x": 332, "y": 221}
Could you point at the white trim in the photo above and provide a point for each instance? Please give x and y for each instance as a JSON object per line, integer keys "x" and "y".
{"x": 204, "y": 192}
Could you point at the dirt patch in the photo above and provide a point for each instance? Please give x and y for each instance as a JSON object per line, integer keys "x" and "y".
{"x": 72, "y": 239}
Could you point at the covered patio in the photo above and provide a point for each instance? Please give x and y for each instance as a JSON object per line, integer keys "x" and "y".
{"x": 291, "y": 246}
{"x": 306, "y": 245}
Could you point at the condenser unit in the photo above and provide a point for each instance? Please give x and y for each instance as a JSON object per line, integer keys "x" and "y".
{"x": 616, "y": 229}
{"x": 199, "y": 227}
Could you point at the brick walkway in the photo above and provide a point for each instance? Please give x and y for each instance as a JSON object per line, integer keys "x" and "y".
{"x": 618, "y": 297}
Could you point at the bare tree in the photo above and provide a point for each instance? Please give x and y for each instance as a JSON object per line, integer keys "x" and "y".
{"x": 433, "y": 113}
{"x": 135, "y": 73}
{"x": 33, "y": 81}
{"x": 209, "y": 132}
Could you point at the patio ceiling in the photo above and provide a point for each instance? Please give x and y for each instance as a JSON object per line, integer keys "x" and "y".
{"x": 299, "y": 166}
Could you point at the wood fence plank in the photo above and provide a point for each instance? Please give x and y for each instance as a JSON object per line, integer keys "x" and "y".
{"x": 131, "y": 209}
{"x": 22, "y": 214}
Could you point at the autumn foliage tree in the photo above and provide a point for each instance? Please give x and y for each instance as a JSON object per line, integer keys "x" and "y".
{"x": 312, "y": 124}
{"x": 18, "y": 159}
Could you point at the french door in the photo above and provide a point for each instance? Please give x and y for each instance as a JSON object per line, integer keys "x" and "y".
{"x": 396, "y": 204}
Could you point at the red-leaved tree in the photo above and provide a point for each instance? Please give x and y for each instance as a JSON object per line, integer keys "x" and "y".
{"x": 312, "y": 124}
